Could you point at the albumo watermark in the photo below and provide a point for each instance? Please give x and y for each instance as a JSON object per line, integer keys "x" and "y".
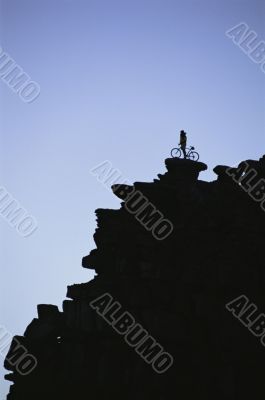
{"x": 247, "y": 40}
{"x": 135, "y": 202}
{"x": 16, "y": 215}
{"x": 134, "y": 334}
{"x": 18, "y": 356}
{"x": 17, "y": 79}
{"x": 247, "y": 313}
{"x": 245, "y": 177}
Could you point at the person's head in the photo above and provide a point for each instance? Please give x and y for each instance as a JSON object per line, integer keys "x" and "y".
{"x": 183, "y": 133}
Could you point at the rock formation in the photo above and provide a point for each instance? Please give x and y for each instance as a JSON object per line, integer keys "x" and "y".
{"x": 172, "y": 256}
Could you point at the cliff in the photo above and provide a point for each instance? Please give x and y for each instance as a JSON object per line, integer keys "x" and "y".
{"x": 159, "y": 320}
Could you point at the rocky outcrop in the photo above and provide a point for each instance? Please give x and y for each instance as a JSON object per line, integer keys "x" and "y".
{"x": 175, "y": 253}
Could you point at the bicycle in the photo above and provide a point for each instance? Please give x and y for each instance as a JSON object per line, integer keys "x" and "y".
{"x": 191, "y": 155}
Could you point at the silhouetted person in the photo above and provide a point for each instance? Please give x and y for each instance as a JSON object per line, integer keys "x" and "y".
{"x": 183, "y": 142}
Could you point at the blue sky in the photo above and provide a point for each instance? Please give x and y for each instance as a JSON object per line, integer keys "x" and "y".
{"x": 119, "y": 79}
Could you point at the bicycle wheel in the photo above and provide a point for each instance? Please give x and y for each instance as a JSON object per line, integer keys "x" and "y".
{"x": 194, "y": 156}
{"x": 176, "y": 153}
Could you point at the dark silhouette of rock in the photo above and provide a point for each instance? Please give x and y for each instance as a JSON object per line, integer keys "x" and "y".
{"x": 176, "y": 288}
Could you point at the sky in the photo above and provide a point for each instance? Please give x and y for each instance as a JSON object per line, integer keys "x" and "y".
{"x": 118, "y": 80}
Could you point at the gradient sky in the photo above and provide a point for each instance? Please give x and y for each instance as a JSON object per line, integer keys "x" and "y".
{"x": 119, "y": 79}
